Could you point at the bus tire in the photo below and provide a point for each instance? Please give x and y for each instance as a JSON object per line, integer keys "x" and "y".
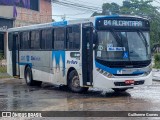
{"x": 74, "y": 83}
{"x": 37, "y": 83}
{"x": 28, "y": 77}
{"x": 120, "y": 89}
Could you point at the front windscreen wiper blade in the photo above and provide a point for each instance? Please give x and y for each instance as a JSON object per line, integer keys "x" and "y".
{"x": 117, "y": 38}
{"x": 141, "y": 35}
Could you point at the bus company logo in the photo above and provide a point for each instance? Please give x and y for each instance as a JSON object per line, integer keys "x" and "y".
{"x": 27, "y": 58}
{"x": 72, "y": 62}
{"x": 35, "y": 58}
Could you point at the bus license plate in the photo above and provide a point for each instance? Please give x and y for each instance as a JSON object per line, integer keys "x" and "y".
{"x": 129, "y": 82}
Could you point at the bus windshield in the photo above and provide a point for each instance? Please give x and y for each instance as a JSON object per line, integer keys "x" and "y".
{"x": 123, "y": 46}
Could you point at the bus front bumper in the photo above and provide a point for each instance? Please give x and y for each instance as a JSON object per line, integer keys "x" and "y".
{"x": 103, "y": 82}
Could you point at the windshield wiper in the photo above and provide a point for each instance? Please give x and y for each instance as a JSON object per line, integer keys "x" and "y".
{"x": 142, "y": 36}
{"x": 118, "y": 39}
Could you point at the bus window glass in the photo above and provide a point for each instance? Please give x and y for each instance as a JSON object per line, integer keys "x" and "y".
{"x": 131, "y": 46}
{"x": 35, "y": 40}
{"x": 73, "y": 34}
{"x": 47, "y": 39}
{"x": 59, "y": 39}
{"x": 25, "y": 40}
{"x": 10, "y": 41}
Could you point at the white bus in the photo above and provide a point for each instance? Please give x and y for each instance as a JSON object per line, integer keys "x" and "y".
{"x": 100, "y": 52}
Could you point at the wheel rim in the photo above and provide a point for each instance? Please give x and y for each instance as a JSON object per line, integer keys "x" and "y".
{"x": 76, "y": 83}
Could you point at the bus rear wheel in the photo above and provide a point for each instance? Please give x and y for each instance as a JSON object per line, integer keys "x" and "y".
{"x": 29, "y": 79}
{"x": 74, "y": 83}
{"x": 120, "y": 89}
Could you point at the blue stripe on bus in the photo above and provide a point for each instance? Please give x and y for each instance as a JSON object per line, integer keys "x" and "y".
{"x": 107, "y": 69}
{"x": 58, "y": 57}
{"x": 115, "y": 70}
{"x": 24, "y": 64}
{"x": 61, "y": 23}
{"x": 111, "y": 16}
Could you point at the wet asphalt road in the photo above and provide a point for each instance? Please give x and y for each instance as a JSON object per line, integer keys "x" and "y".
{"x": 16, "y": 96}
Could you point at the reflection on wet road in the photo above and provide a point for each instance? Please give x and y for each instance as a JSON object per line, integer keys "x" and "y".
{"x": 16, "y": 96}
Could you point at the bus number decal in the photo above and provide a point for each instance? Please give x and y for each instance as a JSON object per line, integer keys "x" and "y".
{"x": 22, "y": 57}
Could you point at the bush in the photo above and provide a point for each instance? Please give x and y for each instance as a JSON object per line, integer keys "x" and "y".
{"x": 157, "y": 61}
{"x": 1, "y": 56}
{"x": 157, "y": 57}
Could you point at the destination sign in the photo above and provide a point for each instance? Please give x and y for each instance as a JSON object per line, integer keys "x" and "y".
{"x": 123, "y": 23}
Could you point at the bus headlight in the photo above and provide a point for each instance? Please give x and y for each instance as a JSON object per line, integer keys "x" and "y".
{"x": 109, "y": 75}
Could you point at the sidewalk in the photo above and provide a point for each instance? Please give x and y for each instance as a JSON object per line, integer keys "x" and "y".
{"x": 156, "y": 74}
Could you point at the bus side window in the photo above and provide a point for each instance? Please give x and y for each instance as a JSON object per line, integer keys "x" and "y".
{"x": 59, "y": 38}
{"x": 47, "y": 39}
{"x": 10, "y": 41}
{"x": 35, "y": 39}
{"x": 73, "y": 37}
{"x": 25, "y": 40}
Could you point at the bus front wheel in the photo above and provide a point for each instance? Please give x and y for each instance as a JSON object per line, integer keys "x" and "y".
{"x": 74, "y": 83}
{"x": 29, "y": 79}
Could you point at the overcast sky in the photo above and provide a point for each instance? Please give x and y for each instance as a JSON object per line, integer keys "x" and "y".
{"x": 73, "y": 13}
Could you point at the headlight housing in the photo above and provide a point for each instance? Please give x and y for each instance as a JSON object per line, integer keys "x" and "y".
{"x": 109, "y": 75}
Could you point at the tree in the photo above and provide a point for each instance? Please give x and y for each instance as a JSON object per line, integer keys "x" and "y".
{"x": 142, "y": 8}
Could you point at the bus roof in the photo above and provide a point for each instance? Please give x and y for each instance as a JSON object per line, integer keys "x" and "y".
{"x": 65, "y": 23}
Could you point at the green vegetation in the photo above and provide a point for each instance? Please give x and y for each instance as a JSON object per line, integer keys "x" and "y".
{"x": 143, "y": 8}
{"x": 1, "y": 56}
{"x": 3, "y": 72}
{"x": 3, "y": 69}
{"x": 157, "y": 61}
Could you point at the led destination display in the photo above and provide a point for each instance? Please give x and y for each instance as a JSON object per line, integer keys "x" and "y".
{"x": 125, "y": 23}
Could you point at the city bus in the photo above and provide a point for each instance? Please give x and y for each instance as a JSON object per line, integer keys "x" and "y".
{"x": 106, "y": 52}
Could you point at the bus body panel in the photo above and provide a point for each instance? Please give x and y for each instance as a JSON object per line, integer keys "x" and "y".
{"x": 38, "y": 61}
{"x": 9, "y": 63}
{"x": 101, "y": 81}
{"x": 73, "y": 60}
{"x": 50, "y": 66}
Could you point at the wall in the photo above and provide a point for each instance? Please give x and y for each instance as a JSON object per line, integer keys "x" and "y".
{"x": 27, "y": 16}
{"x": 6, "y": 11}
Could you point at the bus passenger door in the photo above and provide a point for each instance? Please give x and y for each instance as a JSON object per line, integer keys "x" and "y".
{"x": 15, "y": 55}
{"x": 87, "y": 54}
